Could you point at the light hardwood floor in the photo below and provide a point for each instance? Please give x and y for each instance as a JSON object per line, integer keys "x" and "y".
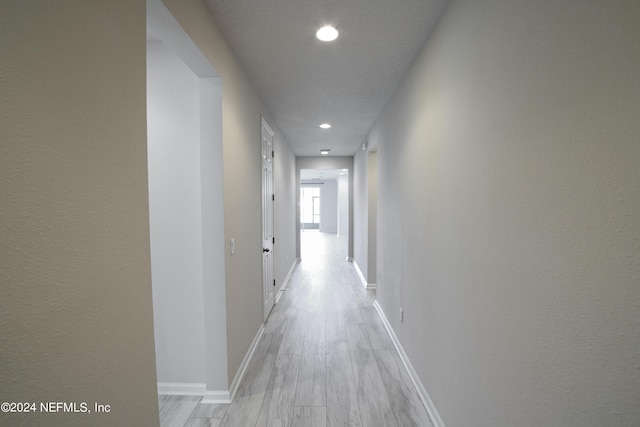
{"x": 325, "y": 358}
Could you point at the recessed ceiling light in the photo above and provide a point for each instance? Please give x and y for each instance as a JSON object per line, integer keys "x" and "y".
{"x": 327, "y": 33}
{"x": 325, "y": 126}
{"x": 325, "y": 151}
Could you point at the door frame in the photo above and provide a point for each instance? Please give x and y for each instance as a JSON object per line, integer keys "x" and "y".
{"x": 268, "y": 212}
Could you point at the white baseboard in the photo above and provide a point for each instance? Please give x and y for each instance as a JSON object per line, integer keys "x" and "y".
{"x": 217, "y": 397}
{"x": 285, "y": 282}
{"x": 245, "y": 363}
{"x": 182, "y": 389}
{"x": 362, "y": 279}
{"x": 213, "y": 396}
{"x": 422, "y": 392}
{"x": 194, "y": 389}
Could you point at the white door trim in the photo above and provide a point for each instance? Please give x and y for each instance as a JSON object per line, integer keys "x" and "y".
{"x": 268, "y": 273}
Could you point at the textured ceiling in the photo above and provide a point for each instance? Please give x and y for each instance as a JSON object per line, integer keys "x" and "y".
{"x": 305, "y": 82}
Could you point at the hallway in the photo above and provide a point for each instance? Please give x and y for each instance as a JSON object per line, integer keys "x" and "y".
{"x": 325, "y": 358}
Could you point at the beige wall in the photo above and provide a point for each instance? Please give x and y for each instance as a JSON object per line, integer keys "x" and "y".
{"x": 241, "y": 112}
{"x": 509, "y": 163}
{"x": 75, "y": 305}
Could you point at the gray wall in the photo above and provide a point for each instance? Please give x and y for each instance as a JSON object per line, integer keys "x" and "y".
{"x": 365, "y": 200}
{"x": 76, "y": 307}
{"x": 284, "y": 174}
{"x": 361, "y": 211}
{"x": 372, "y": 220}
{"x": 343, "y": 206}
{"x": 508, "y": 224}
{"x": 329, "y": 206}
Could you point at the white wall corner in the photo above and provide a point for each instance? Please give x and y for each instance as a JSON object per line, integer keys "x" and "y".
{"x": 349, "y": 259}
{"x": 285, "y": 282}
{"x": 361, "y": 276}
{"x": 222, "y": 397}
{"x": 182, "y": 389}
{"x": 422, "y": 391}
{"x": 245, "y": 363}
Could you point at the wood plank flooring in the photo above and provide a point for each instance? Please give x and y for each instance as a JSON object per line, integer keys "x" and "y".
{"x": 325, "y": 358}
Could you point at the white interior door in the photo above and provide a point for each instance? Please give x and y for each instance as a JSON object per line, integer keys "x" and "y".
{"x": 268, "y": 275}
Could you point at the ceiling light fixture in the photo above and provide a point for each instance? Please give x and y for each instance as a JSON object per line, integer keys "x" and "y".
{"x": 325, "y": 151}
{"x": 325, "y": 126}
{"x": 327, "y": 33}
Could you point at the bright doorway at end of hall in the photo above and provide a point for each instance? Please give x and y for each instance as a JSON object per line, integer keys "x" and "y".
{"x": 310, "y": 207}
{"x": 324, "y": 203}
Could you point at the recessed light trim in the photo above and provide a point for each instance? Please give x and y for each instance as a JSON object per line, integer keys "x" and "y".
{"x": 325, "y": 125}
{"x": 327, "y": 33}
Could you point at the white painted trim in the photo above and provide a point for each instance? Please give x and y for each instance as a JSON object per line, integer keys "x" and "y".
{"x": 349, "y": 259}
{"x": 245, "y": 363}
{"x": 362, "y": 279}
{"x": 182, "y": 389}
{"x": 285, "y": 282}
{"x": 222, "y": 397}
{"x": 422, "y": 391}
{"x": 360, "y": 275}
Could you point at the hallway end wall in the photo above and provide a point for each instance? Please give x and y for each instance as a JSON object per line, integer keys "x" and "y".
{"x": 508, "y": 220}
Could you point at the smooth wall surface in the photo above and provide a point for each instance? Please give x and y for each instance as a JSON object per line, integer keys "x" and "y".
{"x": 175, "y": 216}
{"x": 242, "y": 110}
{"x": 361, "y": 211}
{"x": 509, "y": 166}
{"x": 284, "y": 176}
{"x": 213, "y": 245}
{"x": 343, "y": 206}
{"x": 372, "y": 219}
{"x": 329, "y": 206}
{"x": 76, "y": 307}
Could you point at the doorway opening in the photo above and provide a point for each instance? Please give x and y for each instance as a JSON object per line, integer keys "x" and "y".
{"x": 184, "y": 152}
{"x": 324, "y": 212}
{"x": 310, "y": 207}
